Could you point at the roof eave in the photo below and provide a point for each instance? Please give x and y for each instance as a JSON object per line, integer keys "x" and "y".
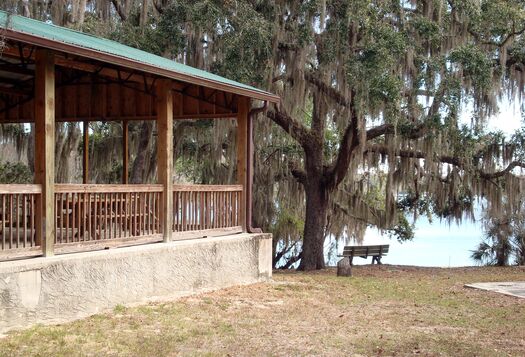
{"x": 137, "y": 65}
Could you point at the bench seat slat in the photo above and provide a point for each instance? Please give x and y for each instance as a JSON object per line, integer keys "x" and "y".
{"x": 366, "y": 251}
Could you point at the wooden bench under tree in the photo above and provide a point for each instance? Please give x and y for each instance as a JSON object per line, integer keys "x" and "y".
{"x": 365, "y": 251}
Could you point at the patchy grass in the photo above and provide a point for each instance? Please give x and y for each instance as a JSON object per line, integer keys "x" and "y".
{"x": 385, "y": 311}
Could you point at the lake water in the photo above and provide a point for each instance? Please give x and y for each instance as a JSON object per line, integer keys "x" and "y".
{"x": 436, "y": 244}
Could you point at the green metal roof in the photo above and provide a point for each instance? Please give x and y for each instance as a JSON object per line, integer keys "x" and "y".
{"x": 63, "y": 39}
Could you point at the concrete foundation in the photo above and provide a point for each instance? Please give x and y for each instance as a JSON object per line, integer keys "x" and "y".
{"x": 63, "y": 288}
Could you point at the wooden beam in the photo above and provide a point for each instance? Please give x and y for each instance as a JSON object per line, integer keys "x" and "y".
{"x": 204, "y": 233}
{"x": 126, "y": 118}
{"x": 136, "y": 64}
{"x": 85, "y": 156}
{"x": 165, "y": 152}
{"x": 45, "y": 149}
{"x": 125, "y": 152}
{"x": 242, "y": 152}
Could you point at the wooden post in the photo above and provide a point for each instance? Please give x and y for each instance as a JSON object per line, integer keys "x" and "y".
{"x": 45, "y": 148}
{"x": 85, "y": 161}
{"x": 165, "y": 152}
{"x": 243, "y": 108}
{"x": 125, "y": 152}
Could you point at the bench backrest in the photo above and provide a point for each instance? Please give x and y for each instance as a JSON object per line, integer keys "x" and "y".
{"x": 365, "y": 250}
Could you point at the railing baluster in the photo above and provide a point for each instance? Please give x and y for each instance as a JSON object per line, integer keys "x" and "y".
{"x": 201, "y": 210}
{"x": 178, "y": 212}
{"x": 127, "y": 208}
{"x": 32, "y": 219}
{"x": 10, "y": 221}
{"x": 24, "y": 212}
{"x": 3, "y": 223}
{"x": 141, "y": 208}
{"x": 134, "y": 214}
{"x": 84, "y": 215}
{"x": 16, "y": 221}
{"x": 78, "y": 198}
{"x": 119, "y": 214}
{"x": 89, "y": 215}
{"x": 105, "y": 215}
{"x": 192, "y": 210}
{"x": 60, "y": 213}
{"x": 112, "y": 215}
{"x": 156, "y": 202}
{"x": 68, "y": 216}
{"x": 183, "y": 206}
{"x": 96, "y": 213}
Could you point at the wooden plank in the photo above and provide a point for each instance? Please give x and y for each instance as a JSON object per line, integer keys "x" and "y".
{"x": 165, "y": 152}
{"x": 92, "y": 188}
{"x": 20, "y": 253}
{"x": 60, "y": 213}
{"x": 68, "y": 215}
{"x": 45, "y": 148}
{"x": 85, "y": 154}
{"x": 32, "y": 219}
{"x": 366, "y": 251}
{"x": 105, "y": 244}
{"x": 79, "y": 215}
{"x": 242, "y": 153}
{"x": 11, "y": 221}
{"x": 20, "y": 188}
{"x": 17, "y": 223}
{"x": 216, "y": 232}
{"x": 125, "y": 152}
{"x": 209, "y": 188}
{"x": 107, "y": 118}
{"x": 136, "y": 64}
{"x": 3, "y": 223}
{"x": 24, "y": 213}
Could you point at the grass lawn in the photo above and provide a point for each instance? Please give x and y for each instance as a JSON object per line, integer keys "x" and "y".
{"x": 382, "y": 310}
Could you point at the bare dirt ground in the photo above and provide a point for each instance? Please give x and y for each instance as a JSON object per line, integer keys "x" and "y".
{"x": 381, "y": 311}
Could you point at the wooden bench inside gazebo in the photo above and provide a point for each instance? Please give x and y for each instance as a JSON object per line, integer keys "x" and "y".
{"x": 50, "y": 74}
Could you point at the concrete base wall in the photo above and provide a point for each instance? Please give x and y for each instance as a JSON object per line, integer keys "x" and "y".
{"x": 64, "y": 288}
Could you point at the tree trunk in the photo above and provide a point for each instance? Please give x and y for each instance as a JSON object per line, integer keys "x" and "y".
{"x": 138, "y": 169}
{"x": 502, "y": 251}
{"x": 313, "y": 240}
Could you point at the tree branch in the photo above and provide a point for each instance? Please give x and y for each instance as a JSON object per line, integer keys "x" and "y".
{"x": 158, "y": 7}
{"x": 383, "y": 150}
{"x": 446, "y": 159}
{"x": 296, "y": 129}
{"x": 120, "y": 10}
{"x": 327, "y": 90}
{"x": 298, "y": 173}
{"x": 509, "y": 168}
{"x": 350, "y": 141}
{"x": 291, "y": 261}
{"x": 414, "y": 133}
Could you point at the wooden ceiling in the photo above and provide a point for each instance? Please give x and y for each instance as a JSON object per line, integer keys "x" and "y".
{"x": 88, "y": 89}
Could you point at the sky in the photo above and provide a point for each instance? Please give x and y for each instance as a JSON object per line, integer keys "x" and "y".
{"x": 438, "y": 243}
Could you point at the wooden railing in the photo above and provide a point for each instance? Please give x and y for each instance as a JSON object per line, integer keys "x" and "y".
{"x": 200, "y": 210}
{"x": 99, "y": 216}
{"x": 18, "y": 205}
{"x": 107, "y": 214}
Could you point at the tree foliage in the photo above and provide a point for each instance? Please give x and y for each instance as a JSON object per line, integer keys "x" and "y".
{"x": 384, "y": 105}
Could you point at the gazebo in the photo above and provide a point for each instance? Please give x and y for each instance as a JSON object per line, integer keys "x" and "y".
{"x": 51, "y": 74}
